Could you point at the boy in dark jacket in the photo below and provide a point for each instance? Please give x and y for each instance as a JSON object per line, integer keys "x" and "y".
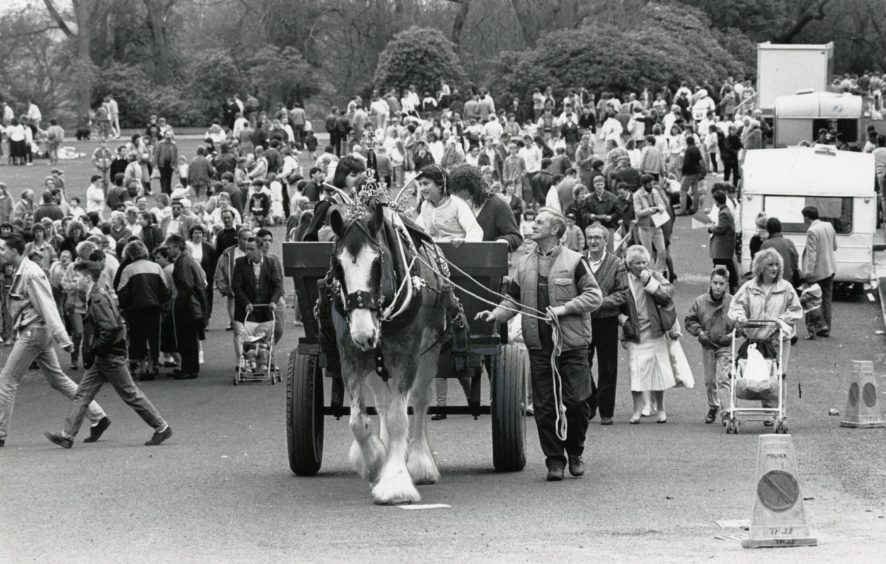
{"x": 707, "y": 320}
{"x": 104, "y": 357}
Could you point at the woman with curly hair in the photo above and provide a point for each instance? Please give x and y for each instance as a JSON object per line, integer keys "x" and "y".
{"x": 74, "y": 234}
{"x": 492, "y": 213}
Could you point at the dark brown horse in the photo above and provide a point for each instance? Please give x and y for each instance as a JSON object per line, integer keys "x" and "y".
{"x": 388, "y": 331}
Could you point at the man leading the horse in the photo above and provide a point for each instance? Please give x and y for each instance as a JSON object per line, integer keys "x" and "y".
{"x": 555, "y": 283}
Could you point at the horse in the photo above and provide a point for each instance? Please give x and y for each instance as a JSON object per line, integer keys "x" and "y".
{"x": 375, "y": 270}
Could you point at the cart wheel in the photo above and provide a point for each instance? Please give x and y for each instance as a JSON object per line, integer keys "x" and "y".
{"x": 508, "y": 404}
{"x": 304, "y": 414}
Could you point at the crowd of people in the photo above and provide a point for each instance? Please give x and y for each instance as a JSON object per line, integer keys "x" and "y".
{"x": 584, "y": 191}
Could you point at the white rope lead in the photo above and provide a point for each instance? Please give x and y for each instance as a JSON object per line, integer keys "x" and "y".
{"x": 561, "y": 425}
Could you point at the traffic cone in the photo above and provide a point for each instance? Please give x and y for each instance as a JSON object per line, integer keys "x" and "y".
{"x": 778, "y": 518}
{"x": 863, "y": 405}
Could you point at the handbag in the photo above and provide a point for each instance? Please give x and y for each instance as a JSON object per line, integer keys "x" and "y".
{"x": 680, "y": 365}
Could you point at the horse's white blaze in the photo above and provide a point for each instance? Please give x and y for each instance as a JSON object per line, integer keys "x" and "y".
{"x": 364, "y": 331}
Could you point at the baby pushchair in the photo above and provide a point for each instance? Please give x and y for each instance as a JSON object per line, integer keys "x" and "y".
{"x": 756, "y": 373}
{"x": 256, "y": 362}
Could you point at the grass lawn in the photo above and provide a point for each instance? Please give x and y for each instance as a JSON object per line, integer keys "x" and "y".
{"x": 79, "y": 171}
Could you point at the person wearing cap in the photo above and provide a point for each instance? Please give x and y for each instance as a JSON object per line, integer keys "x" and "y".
{"x": 105, "y": 361}
{"x": 38, "y": 326}
{"x": 558, "y": 281}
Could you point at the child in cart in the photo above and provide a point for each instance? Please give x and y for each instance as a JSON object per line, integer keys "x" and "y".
{"x": 257, "y": 345}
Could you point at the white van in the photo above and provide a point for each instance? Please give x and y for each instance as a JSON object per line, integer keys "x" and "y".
{"x": 781, "y": 182}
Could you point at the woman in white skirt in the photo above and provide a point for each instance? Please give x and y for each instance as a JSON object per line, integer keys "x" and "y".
{"x": 645, "y": 337}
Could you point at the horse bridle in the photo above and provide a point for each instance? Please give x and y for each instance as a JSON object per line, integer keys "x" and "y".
{"x": 360, "y": 299}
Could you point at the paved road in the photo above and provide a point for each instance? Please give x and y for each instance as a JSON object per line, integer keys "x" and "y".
{"x": 221, "y": 489}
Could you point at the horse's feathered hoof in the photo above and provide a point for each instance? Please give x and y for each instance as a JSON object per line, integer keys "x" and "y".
{"x": 421, "y": 465}
{"x": 399, "y": 498}
{"x": 394, "y": 488}
{"x": 368, "y": 465}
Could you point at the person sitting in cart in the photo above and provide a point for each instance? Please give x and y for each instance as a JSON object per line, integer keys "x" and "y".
{"x": 559, "y": 281}
{"x": 767, "y": 296}
{"x": 256, "y": 280}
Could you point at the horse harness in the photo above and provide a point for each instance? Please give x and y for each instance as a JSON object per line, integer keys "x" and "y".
{"x": 389, "y": 300}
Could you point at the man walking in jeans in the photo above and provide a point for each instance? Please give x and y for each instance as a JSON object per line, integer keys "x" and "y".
{"x": 104, "y": 356}
{"x": 37, "y": 324}
{"x": 819, "y": 261}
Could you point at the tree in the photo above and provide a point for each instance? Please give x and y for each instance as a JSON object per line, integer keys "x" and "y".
{"x": 420, "y": 56}
{"x": 663, "y": 46}
{"x": 281, "y": 75}
{"x": 83, "y": 68}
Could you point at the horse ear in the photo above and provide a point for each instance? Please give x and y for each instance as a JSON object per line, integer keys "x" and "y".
{"x": 337, "y": 222}
{"x": 378, "y": 218}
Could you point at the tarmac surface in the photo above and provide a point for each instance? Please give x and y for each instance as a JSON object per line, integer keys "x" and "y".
{"x": 220, "y": 490}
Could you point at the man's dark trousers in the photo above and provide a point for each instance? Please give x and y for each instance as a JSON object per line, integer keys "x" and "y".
{"x": 827, "y": 298}
{"x": 605, "y": 345}
{"x": 188, "y": 340}
{"x": 575, "y": 375}
{"x": 166, "y": 179}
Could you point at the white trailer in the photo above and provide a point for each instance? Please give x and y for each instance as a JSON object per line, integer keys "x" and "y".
{"x": 785, "y": 69}
{"x": 781, "y": 182}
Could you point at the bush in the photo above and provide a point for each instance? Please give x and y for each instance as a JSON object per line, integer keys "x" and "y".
{"x": 420, "y": 56}
{"x": 281, "y": 75}
{"x": 131, "y": 87}
{"x": 665, "y": 45}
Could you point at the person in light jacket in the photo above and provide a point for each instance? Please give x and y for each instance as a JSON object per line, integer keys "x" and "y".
{"x": 644, "y": 334}
{"x": 819, "y": 260}
{"x": 768, "y": 296}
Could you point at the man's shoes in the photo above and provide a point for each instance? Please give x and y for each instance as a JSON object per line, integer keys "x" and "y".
{"x": 159, "y": 436}
{"x": 712, "y": 415}
{"x": 824, "y": 334}
{"x": 59, "y": 439}
{"x": 438, "y": 417}
{"x": 809, "y": 337}
{"x": 555, "y": 474}
{"x": 576, "y": 465}
{"x": 96, "y": 431}
{"x": 768, "y": 423}
{"x": 146, "y": 377}
{"x": 605, "y": 420}
{"x": 185, "y": 376}
{"x": 229, "y": 328}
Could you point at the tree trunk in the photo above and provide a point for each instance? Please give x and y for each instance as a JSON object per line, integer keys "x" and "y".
{"x": 805, "y": 17}
{"x": 158, "y": 14}
{"x": 459, "y": 24}
{"x": 528, "y": 19}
